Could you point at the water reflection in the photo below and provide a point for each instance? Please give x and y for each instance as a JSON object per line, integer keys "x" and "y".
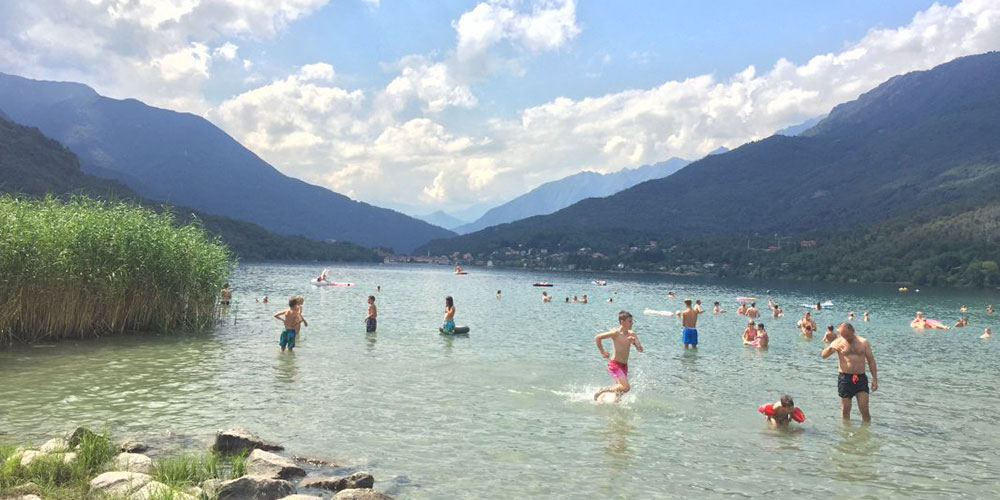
{"x": 857, "y": 449}
{"x": 371, "y": 338}
{"x": 287, "y": 367}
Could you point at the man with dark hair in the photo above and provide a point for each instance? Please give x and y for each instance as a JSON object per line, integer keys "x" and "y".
{"x": 689, "y": 319}
{"x": 852, "y": 353}
{"x": 622, "y": 340}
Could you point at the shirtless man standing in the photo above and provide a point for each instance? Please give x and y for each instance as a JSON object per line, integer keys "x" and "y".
{"x": 622, "y": 340}
{"x": 689, "y": 318}
{"x": 852, "y": 353}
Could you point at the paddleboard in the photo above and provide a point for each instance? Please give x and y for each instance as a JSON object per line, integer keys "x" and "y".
{"x": 745, "y": 299}
{"x": 813, "y": 306}
{"x": 654, "y": 312}
{"x": 459, "y": 330}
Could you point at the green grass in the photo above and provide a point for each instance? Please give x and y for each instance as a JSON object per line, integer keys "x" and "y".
{"x": 81, "y": 268}
{"x": 60, "y": 481}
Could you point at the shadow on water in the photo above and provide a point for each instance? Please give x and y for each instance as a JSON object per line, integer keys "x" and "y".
{"x": 371, "y": 338}
{"x": 618, "y": 430}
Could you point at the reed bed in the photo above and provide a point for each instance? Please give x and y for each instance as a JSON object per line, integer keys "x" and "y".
{"x": 82, "y": 268}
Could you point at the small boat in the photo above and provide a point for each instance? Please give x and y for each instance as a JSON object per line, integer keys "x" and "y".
{"x": 541, "y": 283}
{"x": 600, "y": 282}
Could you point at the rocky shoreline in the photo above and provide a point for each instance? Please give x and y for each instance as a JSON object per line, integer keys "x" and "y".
{"x": 131, "y": 475}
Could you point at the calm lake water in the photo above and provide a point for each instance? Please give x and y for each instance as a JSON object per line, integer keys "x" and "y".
{"x": 506, "y": 413}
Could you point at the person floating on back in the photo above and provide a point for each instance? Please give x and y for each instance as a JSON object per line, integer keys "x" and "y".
{"x": 371, "y": 323}
{"x": 449, "y": 315}
{"x": 689, "y": 319}
{"x": 622, "y": 340}
{"x": 292, "y": 318}
{"x": 781, "y": 412}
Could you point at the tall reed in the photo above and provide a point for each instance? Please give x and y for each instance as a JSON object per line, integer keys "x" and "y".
{"x": 80, "y": 268}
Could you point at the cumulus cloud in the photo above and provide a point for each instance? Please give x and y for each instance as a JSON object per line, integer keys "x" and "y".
{"x": 154, "y": 50}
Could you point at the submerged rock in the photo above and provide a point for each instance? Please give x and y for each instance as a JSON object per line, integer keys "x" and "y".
{"x": 262, "y": 463}
{"x": 361, "y": 494}
{"x": 358, "y": 480}
{"x": 132, "y": 446}
{"x": 240, "y": 440}
{"x": 134, "y": 462}
{"x": 255, "y": 488}
{"x": 119, "y": 483}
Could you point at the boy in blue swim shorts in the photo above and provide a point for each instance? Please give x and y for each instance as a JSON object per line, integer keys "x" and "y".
{"x": 292, "y": 317}
{"x": 689, "y": 319}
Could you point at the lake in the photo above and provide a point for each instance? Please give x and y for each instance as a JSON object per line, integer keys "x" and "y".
{"x": 506, "y": 412}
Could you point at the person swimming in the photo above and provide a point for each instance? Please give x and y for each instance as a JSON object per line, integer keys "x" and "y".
{"x": 750, "y": 334}
{"x": 962, "y": 322}
{"x": 830, "y": 335}
{"x": 921, "y": 323}
{"x": 762, "y": 339}
{"x": 986, "y": 334}
{"x": 782, "y": 412}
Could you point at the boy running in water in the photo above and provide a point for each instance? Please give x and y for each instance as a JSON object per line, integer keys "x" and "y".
{"x": 622, "y": 340}
{"x": 292, "y": 318}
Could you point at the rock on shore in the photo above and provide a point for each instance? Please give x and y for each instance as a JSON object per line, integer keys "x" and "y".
{"x": 255, "y": 488}
{"x": 361, "y": 494}
{"x": 240, "y": 440}
{"x": 358, "y": 480}
{"x": 262, "y": 463}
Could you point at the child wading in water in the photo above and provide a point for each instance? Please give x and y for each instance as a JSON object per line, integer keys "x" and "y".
{"x": 449, "y": 315}
{"x": 371, "y": 323}
{"x": 293, "y": 319}
{"x": 622, "y": 340}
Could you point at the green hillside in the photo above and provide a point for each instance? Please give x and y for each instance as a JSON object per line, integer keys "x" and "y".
{"x": 35, "y": 165}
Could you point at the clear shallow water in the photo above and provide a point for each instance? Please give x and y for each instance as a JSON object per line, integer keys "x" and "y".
{"x": 506, "y": 412}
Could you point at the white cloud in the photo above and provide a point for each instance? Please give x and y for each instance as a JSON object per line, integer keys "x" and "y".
{"x": 226, "y": 51}
{"x": 432, "y": 83}
{"x": 153, "y": 50}
{"x": 548, "y": 26}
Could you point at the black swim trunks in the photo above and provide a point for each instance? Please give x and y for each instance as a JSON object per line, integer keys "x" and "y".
{"x": 849, "y": 384}
{"x": 370, "y": 325}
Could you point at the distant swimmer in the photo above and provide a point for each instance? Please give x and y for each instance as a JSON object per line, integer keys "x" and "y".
{"x": 782, "y": 412}
{"x": 584, "y": 299}
{"x": 921, "y": 323}
{"x": 963, "y": 309}
{"x": 806, "y": 320}
{"x": 865, "y": 316}
{"x": 762, "y": 339}
{"x": 987, "y": 334}
{"x": 749, "y": 333}
{"x": 610, "y": 300}
{"x": 449, "y": 315}
{"x": 378, "y": 289}
{"x": 498, "y": 295}
{"x": 752, "y": 311}
{"x": 962, "y": 323}
{"x": 371, "y": 319}
{"x": 227, "y": 295}
{"x": 853, "y": 352}
{"x": 818, "y": 306}
{"x": 546, "y": 297}
{"x": 989, "y": 309}
{"x": 742, "y": 310}
{"x": 830, "y": 335}
{"x": 697, "y": 306}
{"x": 670, "y": 295}
{"x": 689, "y": 319}
{"x": 850, "y": 316}
{"x": 575, "y": 299}
{"x": 622, "y": 340}
{"x": 717, "y": 309}
{"x": 567, "y": 300}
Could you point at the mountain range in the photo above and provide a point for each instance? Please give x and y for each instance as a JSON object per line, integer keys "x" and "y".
{"x": 183, "y": 159}
{"x": 34, "y": 165}
{"x": 924, "y": 142}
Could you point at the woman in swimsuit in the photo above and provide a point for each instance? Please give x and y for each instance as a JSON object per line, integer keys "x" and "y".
{"x": 762, "y": 338}
{"x": 750, "y": 334}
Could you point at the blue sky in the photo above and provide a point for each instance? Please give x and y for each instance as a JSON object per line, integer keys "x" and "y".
{"x": 459, "y": 106}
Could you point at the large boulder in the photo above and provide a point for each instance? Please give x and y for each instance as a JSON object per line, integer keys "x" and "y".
{"x": 358, "y": 480}
{"x": 155, "y": 489}
{"x": 241, "y": 440}
{"x": 55, "y": 445}
{"x": 119, "y": 483}
{"x": 361, "y": 494}
{"x": 301, "y": 497}
{"x": 255, "y": 488}
{"x": 211, "y": 487}
{"x": 262, "y": 463}
{"x": 134, "y": 462}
